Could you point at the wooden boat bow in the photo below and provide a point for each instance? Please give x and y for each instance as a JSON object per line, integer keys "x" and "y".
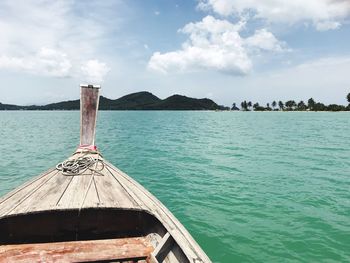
{"x": 89, "y": 215}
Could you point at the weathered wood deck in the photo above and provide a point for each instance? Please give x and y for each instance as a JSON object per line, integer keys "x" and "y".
{"x": 108, "y": 188}
{"x": 54, "y": 191}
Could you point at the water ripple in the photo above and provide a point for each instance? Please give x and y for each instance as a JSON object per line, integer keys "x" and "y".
{"x": 250, "y": 187}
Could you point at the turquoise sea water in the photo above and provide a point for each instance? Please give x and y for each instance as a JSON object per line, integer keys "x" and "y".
{"x": 249, "y": 186}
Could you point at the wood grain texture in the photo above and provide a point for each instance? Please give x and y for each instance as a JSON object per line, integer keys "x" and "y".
{"x": 89, "y": 99}
{"x": 78, "y": 251}
{"x": 55, "y": 191}
{"x": 21, "y": 194}
{"x": 109, "y": 188}
{"x": 44, "y": 198}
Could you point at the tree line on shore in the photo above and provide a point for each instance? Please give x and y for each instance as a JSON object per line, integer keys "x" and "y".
{"x": 291, "y": 105}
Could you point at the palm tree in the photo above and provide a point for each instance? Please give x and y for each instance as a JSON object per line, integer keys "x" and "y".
{"x": 290, "y": 104}
{"x": 311, "y": 103}
{"x": 281, "y": 105}
{"x": 268, "y": 106}
{"x": 301, "y": 105}
{"x": 348, "y": 98}
{"x": 274, "y": 104}
{"x": 255, "y": 106}
{"x": 249, "y": 104}
{"x": 244, "y": 105}
{"x": 234, "y": 107}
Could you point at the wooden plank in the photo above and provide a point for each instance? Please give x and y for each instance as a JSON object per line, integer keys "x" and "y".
{"x": 111, "y": 193}
{"x": 127, "y": 187}
{"x": 92, "y": 199}
{"x": 82, "y": 191}
{"x": 164, "y": 247}
{"x": 30, "y": 183}
{"x": 46, "y": 197}
{"x": 22, "y": 193}
{"x": 77, "y": 191}
{"x": 78, "y": 251}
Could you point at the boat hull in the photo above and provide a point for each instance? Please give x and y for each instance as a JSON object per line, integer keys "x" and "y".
{"x": 99, "y": 204}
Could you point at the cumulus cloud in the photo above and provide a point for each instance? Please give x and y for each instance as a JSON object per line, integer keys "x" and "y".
{"x": 46, "y": 62}
{"x": 94, "y": 71}
{"x": 324, "y": 14}
{"x": 265, "y": 40}
{"x": 49, "y": 38}
{"x": 217, "y": 45}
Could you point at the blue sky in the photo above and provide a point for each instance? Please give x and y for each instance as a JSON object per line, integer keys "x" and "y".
{"x": 227, "y": 50}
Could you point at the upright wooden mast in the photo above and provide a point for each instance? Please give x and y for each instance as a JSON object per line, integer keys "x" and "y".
{"x": 89, "y": 99}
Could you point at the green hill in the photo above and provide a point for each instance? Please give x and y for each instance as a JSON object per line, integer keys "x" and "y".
{"x": 9, "y": 107}
{"x": 179, "y": 102}
{"x": 64, "y": 105}
{"x": 135, "y": 101}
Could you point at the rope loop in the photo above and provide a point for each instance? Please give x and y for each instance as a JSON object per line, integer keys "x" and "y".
{"x": 80, "y": 165}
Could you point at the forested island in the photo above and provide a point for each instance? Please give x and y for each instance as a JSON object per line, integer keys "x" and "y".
{"x": 147, "y": 101}
{"x": 291, "y": 105}
{"x": 136, "y": 101}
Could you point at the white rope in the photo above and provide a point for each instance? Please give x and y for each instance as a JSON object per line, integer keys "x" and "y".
{"x": 80, "y": 165}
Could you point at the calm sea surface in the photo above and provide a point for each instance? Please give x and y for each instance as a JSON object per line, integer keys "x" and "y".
{"x": 250, "y": 187}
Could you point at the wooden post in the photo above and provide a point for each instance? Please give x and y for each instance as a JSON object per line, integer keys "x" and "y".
{"x": 89, "y": 99}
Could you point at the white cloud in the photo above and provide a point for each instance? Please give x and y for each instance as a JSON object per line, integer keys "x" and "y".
{"x": 14, "y": 63}
{"x": 50, "y": 38}
{"x": 94, "y": 71}
{"x": 46, "y": 62}
{"x": 327, "y": 25}
{"x": 324, "y": 14}
{"x": 216, "y": 45}
{"x": 265, "y": 40}
{"x": 52, "y": 62}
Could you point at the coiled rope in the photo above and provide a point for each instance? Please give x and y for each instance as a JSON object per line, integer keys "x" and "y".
{"x": 80, "y": 165}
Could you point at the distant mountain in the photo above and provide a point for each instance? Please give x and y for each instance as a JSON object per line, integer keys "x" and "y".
{"x": 64, "y": 105}
{"x": 178, "y": 102}
{"x": 135, "y": 101}
{"x": 9, "y": 107}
